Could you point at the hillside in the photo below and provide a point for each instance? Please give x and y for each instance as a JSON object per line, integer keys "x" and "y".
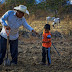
{"x": 30, "y": 50}
{"x": 30, "y": 46}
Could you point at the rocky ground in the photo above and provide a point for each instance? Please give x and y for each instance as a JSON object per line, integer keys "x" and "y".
{"x": 30, "y": 55}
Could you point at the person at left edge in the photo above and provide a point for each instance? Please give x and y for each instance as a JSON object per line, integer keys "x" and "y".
{"x": 14, "y": 20}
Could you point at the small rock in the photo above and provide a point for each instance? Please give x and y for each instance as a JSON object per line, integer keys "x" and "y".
{"x": 20, "y": 50}
{"x": 34, "y": 64}
{"x": 61, "y": 42}
{"x": 71, "y": 60}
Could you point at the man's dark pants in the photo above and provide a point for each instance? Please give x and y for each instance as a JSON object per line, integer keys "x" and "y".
{"x": 13, "y": 49}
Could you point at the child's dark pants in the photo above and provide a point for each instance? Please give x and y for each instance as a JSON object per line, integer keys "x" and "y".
{"x": 13, "y": 49}
{"x": 46, "y": 51}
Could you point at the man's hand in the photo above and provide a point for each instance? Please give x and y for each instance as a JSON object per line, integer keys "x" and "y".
{"x": 35, "y": 32}
{"x": 7, "y": 27}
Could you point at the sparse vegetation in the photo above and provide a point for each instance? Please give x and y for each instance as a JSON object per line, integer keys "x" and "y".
{"x": 30, "y": 46}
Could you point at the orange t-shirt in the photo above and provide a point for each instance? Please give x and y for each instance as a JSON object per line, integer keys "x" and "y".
{"x": 45, "y": 38}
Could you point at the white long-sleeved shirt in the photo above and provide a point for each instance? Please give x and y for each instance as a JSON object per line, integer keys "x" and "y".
{"x": 10, "y": 19}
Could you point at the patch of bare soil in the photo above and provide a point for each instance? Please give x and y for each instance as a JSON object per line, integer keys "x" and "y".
{"x": 30, "y": 56}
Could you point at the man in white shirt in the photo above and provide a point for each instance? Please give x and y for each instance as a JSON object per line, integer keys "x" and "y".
{"x": 12, "y": 20}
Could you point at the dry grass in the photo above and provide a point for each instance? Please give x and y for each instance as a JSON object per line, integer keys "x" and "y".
{"x": 65, "y": 26}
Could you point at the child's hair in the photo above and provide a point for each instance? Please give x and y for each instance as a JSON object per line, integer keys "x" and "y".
{"x": 47, "y": 26}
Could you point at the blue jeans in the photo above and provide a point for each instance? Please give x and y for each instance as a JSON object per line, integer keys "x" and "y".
{"x": 13, "y": 49}
{"x": 46, "y": 51}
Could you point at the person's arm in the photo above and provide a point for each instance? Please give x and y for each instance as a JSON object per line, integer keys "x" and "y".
{"x": 25, "y": 24}
{"x": 4, "y": 18}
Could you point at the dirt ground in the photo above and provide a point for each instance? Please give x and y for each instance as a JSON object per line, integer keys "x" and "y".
{"x": 30, "y": 49}
{"x": 30, "y": 56}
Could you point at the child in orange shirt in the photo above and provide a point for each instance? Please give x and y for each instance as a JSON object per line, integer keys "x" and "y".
{"x": 46, "y": 45}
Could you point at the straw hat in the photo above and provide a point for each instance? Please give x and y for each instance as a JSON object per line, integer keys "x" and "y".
{"x": 22, "y": 8}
